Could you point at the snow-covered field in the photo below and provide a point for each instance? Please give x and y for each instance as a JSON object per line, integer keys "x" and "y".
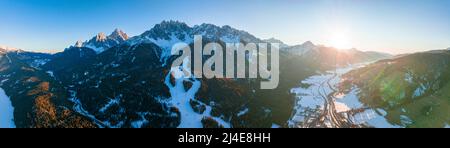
{"x": 180, "y": 98}
{"x": 320, "y": 105}
{"x": 6, "y": 111}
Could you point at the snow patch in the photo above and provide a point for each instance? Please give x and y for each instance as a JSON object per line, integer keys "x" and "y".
{"x": 409, "y": 77}
{"x": 141, "y": 122}
{"x": 180, "y": 98}
{"x": 166, "y": 45}
{"x": 114, "y": 65}
{"x": 371, "y": 118}
{"x": 96, "y": 49}
{"x": 341, "y": 107}
{"x": 419, "y": 91}
{"x": 242, "y": 112}
{"x": 50, "y": 73}
{"x": 351, "y": 99}
{"x": 38, "y": 63}
{"x": 3, "y": 81}
{"x": 111, "y": 102}
{"x": 275, "y": 125}
{"x": 6, "y": 111}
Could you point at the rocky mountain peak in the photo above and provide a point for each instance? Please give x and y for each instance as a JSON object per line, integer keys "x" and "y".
{"x": 101, "y": 37}
{"x": 118, "y": 35}
{"x": 79, "y": 43}
{"x": 101, "y": 42}
{"x": 308, "y": 44}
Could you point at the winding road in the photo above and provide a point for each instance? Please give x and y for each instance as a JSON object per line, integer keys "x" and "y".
{"x": 322, "y": 92}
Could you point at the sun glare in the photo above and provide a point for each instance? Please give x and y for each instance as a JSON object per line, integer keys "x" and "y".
{"x": 340, "y": 40}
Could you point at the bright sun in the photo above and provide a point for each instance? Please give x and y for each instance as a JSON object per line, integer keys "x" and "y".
{"x": 340, "y": 40}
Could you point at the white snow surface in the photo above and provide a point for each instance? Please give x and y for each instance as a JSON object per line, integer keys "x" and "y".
{"x": 242, "y": 112}
{"x": 311, "y": 98}
{"x": 6, "y": 111}
{"x": 180, "y": 98}
{"x": 50, "y": 73}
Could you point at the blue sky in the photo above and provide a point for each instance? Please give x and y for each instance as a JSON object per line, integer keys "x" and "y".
{"x": 394, "y": 26}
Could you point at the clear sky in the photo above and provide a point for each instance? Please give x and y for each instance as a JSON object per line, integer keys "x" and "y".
{"x": 394, "y": 26}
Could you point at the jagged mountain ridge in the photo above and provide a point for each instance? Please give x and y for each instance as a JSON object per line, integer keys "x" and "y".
{"x": 123, "y": 86}
{"x": 101, "y": 42}
{"x": 274, "y": 40}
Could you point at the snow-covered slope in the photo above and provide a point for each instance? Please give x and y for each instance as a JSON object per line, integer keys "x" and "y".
{"x": 6, "y": 111}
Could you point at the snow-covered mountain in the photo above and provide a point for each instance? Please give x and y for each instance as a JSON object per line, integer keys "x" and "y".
{"x": 34, "y": 59}
{"x": 167, "y": 33}
{"x": 301, "y": 49}
{"x": 101, "y": 42}
{"x": 7, "y": 49}
{"x": 113, "y": 81}
{"x": 274, "y": 40}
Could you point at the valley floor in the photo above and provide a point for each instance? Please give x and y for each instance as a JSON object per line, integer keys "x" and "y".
{"x": 320, "y": 105}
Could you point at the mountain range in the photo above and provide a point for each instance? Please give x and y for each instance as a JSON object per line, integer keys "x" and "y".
{"x": 117, "y": 81}
{"x": 101, "y": 42}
